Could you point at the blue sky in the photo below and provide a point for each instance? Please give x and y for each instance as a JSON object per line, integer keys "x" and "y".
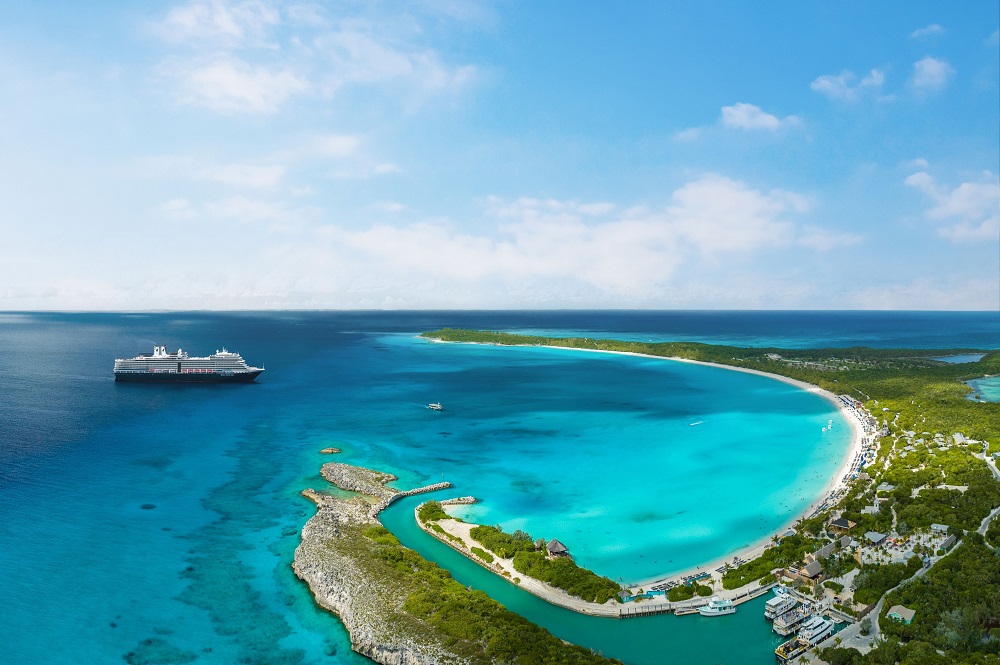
{"x": 511, "y": 154}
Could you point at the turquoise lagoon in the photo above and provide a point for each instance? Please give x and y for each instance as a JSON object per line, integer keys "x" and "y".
{"x": 985, "y": 389}
{"x": 156, "y": 524}
{"x": 641, "y": 466}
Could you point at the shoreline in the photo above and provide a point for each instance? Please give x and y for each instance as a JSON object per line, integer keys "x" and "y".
{"x": 751, "y": 551}
{"x": 504, "y": 569}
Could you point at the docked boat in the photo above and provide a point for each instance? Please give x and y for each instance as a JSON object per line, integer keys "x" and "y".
{"x": 781, "y": 603}
{"x": 816, "y": 630}
{"x": 793, "y": 648}
{"x": 787, "y": 623}
{"x": 164, "y": 367}
{"x": 717, "y": 607}
{"x": 435, "y": 406}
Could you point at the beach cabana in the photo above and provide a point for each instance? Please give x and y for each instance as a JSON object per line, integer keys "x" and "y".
{"x": 841, "y": 525}
{"x": 555, "y": 548}
{"x": 812, "y": 570}
{"x": 901, "y": 614}
{"x": 875, "y": 538}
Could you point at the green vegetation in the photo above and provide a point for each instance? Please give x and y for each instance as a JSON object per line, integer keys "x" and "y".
{"x": 502, "y": 544}
{"x": 562, "y": 573}
{"x": 956, "y": 602}
{"x": 483, "y": 554}
{"x": 837, "y": 587}
{"x": 432, "y": 512}
{"x": 789, "y": 551}
{"x": 993, "y": 532}
{"x": 688, "y": 591}
{"x": 468, "y": 622}
{"x": 874, "y": 580}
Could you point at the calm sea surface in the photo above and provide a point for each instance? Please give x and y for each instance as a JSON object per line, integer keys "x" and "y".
{"x": 156, "y": 524}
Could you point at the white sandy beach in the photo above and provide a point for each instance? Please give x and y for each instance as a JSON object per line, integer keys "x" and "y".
{"x": 838, "y": 481}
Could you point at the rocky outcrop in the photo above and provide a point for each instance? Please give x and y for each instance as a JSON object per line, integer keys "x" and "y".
{"x": 334, "y": 559}
{"x": 459, "y": 501}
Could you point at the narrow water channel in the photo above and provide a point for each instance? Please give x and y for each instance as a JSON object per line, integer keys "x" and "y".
{"x": 744, "y": 637}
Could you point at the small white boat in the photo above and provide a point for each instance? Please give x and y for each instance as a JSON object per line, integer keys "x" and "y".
{"x": 435, "y": 406}
{"x": 717, "y": 607}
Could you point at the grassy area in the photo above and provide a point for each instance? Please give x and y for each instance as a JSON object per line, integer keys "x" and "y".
{"x": 466, "y": 622}
{"x": 432, "y": 512}
{"x": 562, "y": 572}
{"x": 787, "y": 551}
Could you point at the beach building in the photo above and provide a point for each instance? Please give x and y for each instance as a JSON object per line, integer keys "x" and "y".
{"x": 939, "y": 528}
{"x": 958, "y": 438}
{"x": 875, "y": 538}
{"x": 902, "y": 614}
{"x": 811, "y": 570}
{"x": 823, "y": 552}
{"x": 885, "y": 487}
{"x": 870, "y": 510}
{"x": 841, "y": 525}
{"x": 948, "y": 542}
{"x": 555, "y": 548}
{"x": 845, "y": 542}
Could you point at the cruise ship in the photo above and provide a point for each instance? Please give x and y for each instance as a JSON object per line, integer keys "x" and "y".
{"x": 160, "y": 366}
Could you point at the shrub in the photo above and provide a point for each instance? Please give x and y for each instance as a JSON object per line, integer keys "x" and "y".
{"x": 503, "y": 545}
{"x": 564, "y": 574}
{"x": 483, "y": 554}
{"x": 431, "y": 512}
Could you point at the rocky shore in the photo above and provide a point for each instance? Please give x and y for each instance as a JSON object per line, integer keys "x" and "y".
{"x": 335, "y": 560}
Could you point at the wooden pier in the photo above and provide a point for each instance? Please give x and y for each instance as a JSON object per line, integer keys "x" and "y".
{"x": 645, "y": 610}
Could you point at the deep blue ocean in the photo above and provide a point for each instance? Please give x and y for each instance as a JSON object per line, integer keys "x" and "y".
{"x": 156, "y": 523}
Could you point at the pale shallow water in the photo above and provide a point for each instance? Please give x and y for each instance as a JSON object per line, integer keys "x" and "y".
{"x": 986, "y": 390}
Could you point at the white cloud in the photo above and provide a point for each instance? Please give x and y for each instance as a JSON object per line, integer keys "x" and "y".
{"x": 948, "y": 292}
{"x": 932, "y": 29}
{"x": 385, "y": 169}
{"x": 389, "y": 206}
{"x": 823, "y": 240}
{"x": 930, "y": 74}
{"x": 177, "y": 209}
{"x": 917, "y": 163}
{"x": 357, "y": 54}
{"x": 748, "y": 116}
{"x": 216, "y": 20}
{"x": 973, "y": 208}
{"x": 246, "y": 175}
{"x": 688, "y": 135}
{"x": 229, "y": 85}
{"x": 842, "y": 87}
{"x": 253, "y": 56}
{"x": 590, "y": 245}
{"x": 993, "y": 39}
{"x": 334, "y": 145}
